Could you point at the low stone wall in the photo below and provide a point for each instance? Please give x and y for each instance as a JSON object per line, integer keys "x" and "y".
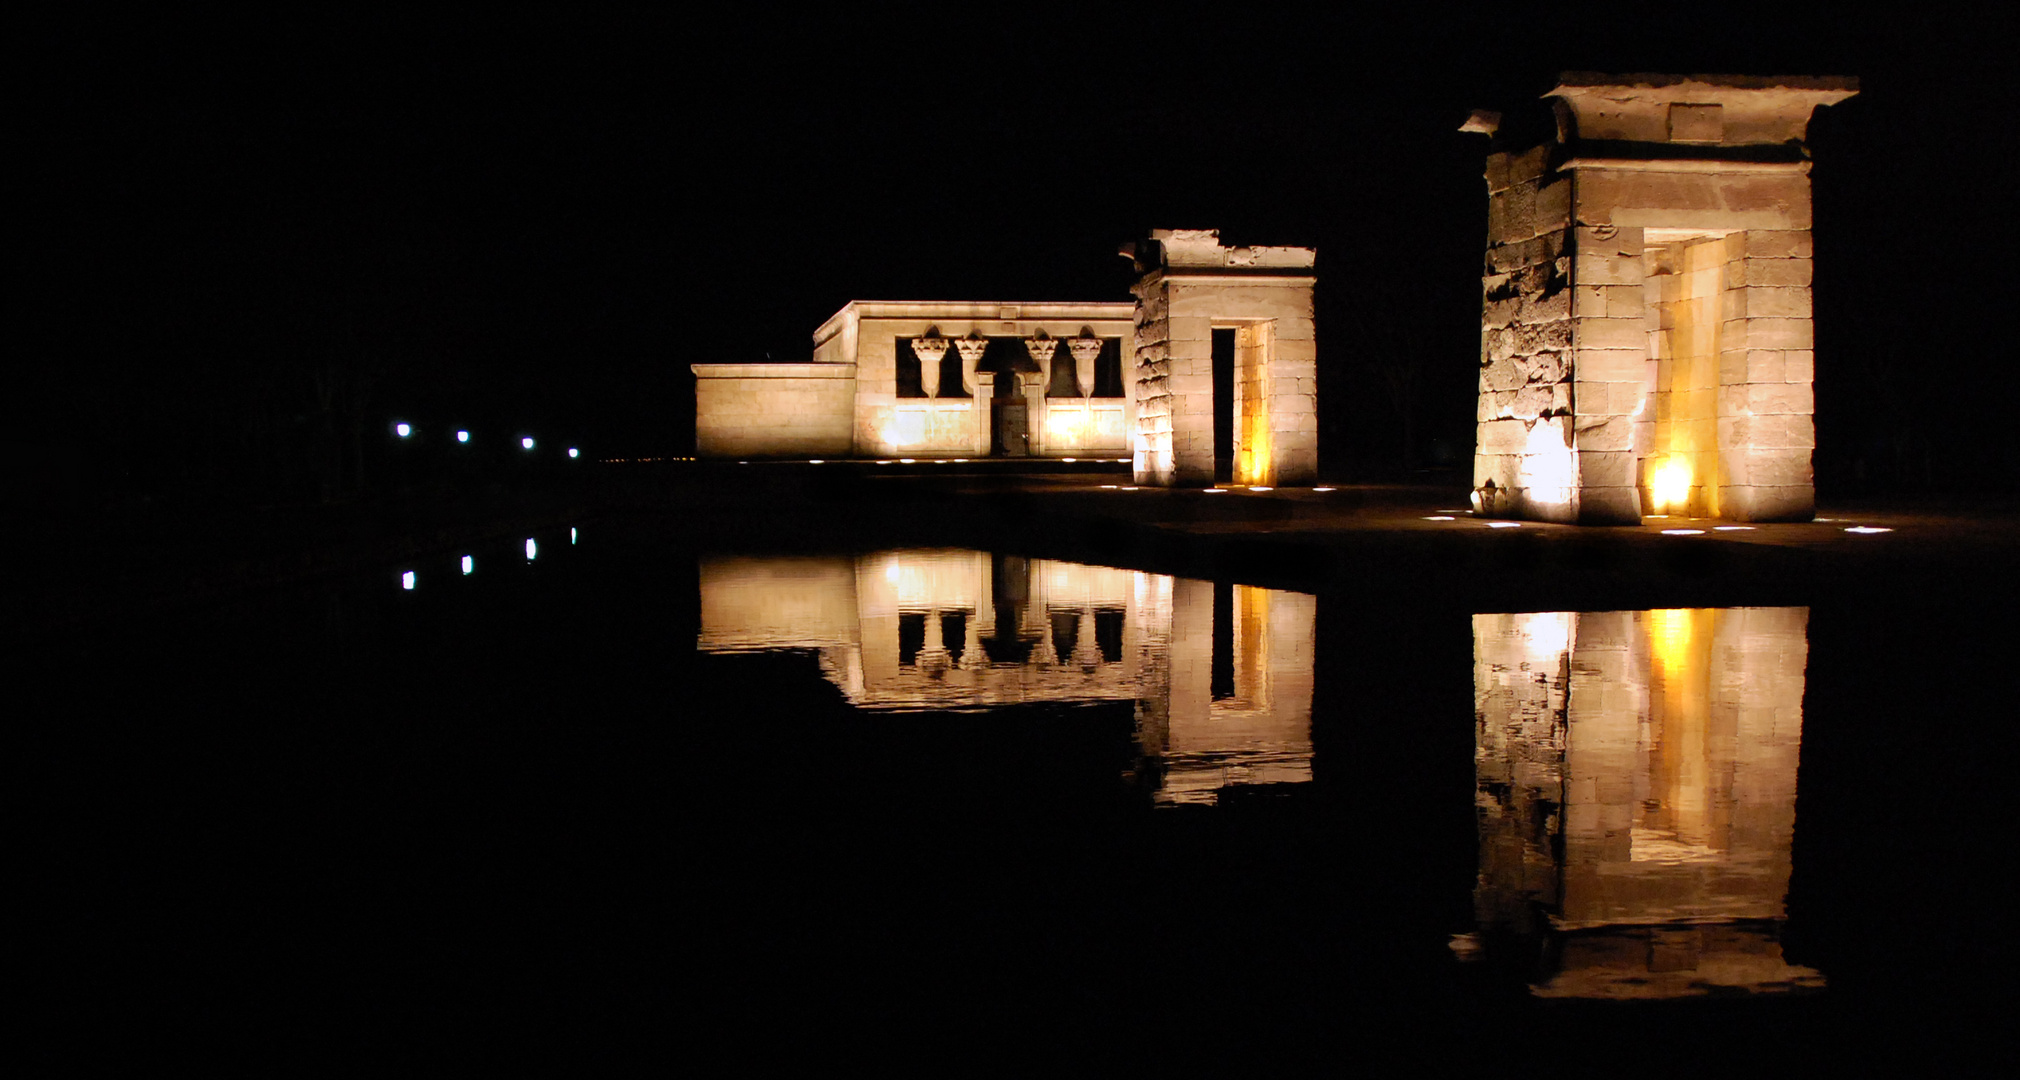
{"x": 773, "y": 410}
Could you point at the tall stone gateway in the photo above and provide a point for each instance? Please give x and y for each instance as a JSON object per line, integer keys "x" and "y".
{"x": 1645, "y": 344}
{"x": 1191, "y": 286}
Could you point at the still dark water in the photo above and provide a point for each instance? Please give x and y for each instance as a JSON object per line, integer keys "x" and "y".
{"x": 621, "y": 799}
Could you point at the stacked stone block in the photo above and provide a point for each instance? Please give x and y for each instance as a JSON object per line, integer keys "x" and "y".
{"x": 1649, "y": 365}
{"x": 1191, "y": 286}
{"x": 1524, "y": 462}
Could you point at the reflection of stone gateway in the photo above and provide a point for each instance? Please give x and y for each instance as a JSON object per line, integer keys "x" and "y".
{"x": 1636, "y": 780}
{"x": 965, "y": 630}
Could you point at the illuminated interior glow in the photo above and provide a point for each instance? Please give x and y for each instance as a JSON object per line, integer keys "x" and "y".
{"x": 1324, "y": 489}
{"x": 1129, "y": 487}
{"x": 1733, "y": 528}
{"x": 1262, "y": 489}
{"x": 1868, "y": 529}
{"x": 1441, "y": 517}
{"x": 1504, "y": 524}
{"x": 407, "y": 580}
{"x": 1669, "y": 484}
{"x": 1216, "y": 491}
{"x": 1683, "y": 532}
{"x": 818, "y": 461}
{"x": 1546, "y": 475}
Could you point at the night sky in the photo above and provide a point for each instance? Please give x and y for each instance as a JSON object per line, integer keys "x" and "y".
{"x": 537, "y": 218}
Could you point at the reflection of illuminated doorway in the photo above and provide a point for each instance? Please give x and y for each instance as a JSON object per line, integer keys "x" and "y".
{"x": 1636, "y": 792}
{"x": 1009, "y": 418}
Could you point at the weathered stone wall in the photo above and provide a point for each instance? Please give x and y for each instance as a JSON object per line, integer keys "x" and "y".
{"x": 773, "y": 410}
{"x": 1524, "y": 463}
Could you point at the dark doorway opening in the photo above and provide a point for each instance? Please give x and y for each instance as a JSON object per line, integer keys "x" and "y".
{"x": 1223, "y": 406}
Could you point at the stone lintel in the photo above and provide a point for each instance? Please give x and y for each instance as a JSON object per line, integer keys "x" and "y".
{"x": 1722, "y": 110}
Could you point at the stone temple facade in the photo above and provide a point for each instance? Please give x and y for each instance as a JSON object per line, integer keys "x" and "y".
{"x": 955, "y": 380}
{"x": 1646, "y": 343}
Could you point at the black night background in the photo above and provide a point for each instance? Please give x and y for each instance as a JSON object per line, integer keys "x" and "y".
{"x": 282, "y": 811}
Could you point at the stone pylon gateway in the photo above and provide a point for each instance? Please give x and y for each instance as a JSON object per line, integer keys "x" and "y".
{"x": 1192, "y": 286}
{"x": 1646, "y": 344}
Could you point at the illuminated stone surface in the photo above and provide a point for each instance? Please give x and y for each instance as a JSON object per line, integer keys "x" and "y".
{"x": 882, "y": 384}
{"x": 967, "y": 630}
{"x": 1192, "y": 284}
{"x": 1646, "y": 301}
{"x": 1636, "y": 784}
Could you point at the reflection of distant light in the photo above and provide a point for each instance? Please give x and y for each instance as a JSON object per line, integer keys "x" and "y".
{"x": 1252, "y": 488}
{"x": 1683, "y": 532}
{"x": 469, "y": 564}
{"x": 571, "y": 534}
{"x": 572, "y": 452}
{"x": 1441, "y": 517}
{"x": 1732, "y": 528}
{"x": 527, "y": 442}
{"x": 531, "y": 549}
{"x": 407, "y": 580}
{"x": 462, "y": 436}
{"x": 906, "y": 460}
{"x": 1504, "y": 524}
{"x": 402, "y": 430}
{"x": 960, "y": 461}
{"x": 1216, "y": 491}
{"x": 1108, "y": 487}
{"x": 1069, "y": 459}
{"x": 1868, "y": 529}
{"x": 1129, "y": 487}
{"x": 885, "y": 461}
{"x": 817, "y": 461}
{"x": 1324, "y": 489}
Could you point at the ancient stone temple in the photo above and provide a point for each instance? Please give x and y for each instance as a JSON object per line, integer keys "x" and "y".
{"x": 1646, "y": 344}
{"x": 1191, "y": 286}
{"x": 956, "y": 380}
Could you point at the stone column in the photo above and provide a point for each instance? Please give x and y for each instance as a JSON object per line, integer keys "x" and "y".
{"x": 1042, "y": 349}
{"x": 1085, "y": 349}
{"x": 972, "y": 347}
{"x": 929, "y": 349}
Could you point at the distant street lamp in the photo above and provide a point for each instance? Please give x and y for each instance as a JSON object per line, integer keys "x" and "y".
{"x": 402, "y": 430}
{"x": 527, "y": 442}
{"x": 462, "y": 436}
{"x": 571, "y": 452}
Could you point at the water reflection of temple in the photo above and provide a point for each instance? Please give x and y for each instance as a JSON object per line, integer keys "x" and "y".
{"x": 1636, "y": 783}
{"x": 1221, "y": 675}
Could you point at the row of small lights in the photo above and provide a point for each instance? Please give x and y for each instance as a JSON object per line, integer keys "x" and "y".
{"x": 1453, "y": 515}
{"x": 408, "y": 579}
{"x": 1211, "y": 490}
{"x": 406, "y": 431}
